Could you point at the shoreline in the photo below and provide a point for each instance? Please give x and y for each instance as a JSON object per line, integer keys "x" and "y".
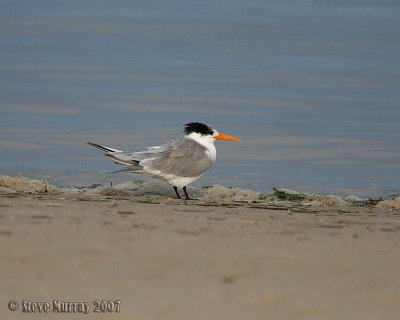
{"x": 154, "y": 192}
{"x": 165, "y": 259}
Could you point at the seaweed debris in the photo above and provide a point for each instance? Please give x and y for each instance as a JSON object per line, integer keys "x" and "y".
{"x": 21, "y": 184}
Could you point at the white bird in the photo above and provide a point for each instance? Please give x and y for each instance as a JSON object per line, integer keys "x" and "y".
{"x": 177, "y": 162}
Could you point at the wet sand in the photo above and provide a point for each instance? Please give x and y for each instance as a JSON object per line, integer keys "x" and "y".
{"x": 177, "y": 261}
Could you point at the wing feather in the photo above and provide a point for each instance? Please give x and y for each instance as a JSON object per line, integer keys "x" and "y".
{"x": 181, "y": 158}
{"x": 184, "y": 158}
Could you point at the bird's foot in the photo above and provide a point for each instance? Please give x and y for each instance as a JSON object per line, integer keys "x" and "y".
{"x": 195, "y": 199}
{"x": 187, "y": 196}
{"x": 178, "y": 196}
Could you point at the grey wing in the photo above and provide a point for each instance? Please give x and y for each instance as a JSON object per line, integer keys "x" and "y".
{"x": 132, "y": 159}
{"x": 184, "y": 158}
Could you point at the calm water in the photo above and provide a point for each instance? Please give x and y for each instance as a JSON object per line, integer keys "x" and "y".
{"x": 312, "y": 88}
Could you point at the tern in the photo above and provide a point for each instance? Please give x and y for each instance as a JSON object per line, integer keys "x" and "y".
{"x": 177, "y": 162}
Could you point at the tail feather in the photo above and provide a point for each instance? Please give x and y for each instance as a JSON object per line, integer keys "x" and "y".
{"x": 118, "y": 156}
{"x": 103, "y": 148}
{"x": 122, "y": 159}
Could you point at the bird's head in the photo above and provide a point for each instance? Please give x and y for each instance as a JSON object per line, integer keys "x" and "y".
{"x": 197, "y": 130}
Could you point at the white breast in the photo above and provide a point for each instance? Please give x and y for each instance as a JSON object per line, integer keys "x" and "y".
{"x": 211, "y": 152}
{"x": 206, "y": 141}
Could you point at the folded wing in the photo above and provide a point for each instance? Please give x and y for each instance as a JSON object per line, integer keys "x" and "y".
{"x": 183, "y": 158}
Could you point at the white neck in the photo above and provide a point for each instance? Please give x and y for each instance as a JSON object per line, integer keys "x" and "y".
{"x": 206, "y": 141}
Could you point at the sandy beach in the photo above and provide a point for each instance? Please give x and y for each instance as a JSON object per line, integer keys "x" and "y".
{"x": 168, "y": 259}
{"x": 310, "y": 87}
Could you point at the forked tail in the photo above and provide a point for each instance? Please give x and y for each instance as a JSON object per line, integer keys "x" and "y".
{"x": 103, "y": 148}
{"x": 116, "y": 155}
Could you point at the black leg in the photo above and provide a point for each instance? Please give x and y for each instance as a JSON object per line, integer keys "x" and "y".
{"x": 187, "y": 197}
{"x": 177, "y": 193}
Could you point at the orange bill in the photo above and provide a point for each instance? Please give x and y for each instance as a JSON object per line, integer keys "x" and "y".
{"x": 222, "y": 136}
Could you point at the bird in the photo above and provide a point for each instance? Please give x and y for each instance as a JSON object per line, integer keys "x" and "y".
{"x": 176, "y": 162}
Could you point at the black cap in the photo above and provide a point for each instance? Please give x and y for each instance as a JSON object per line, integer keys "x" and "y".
{"x": 198, "y": 127}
